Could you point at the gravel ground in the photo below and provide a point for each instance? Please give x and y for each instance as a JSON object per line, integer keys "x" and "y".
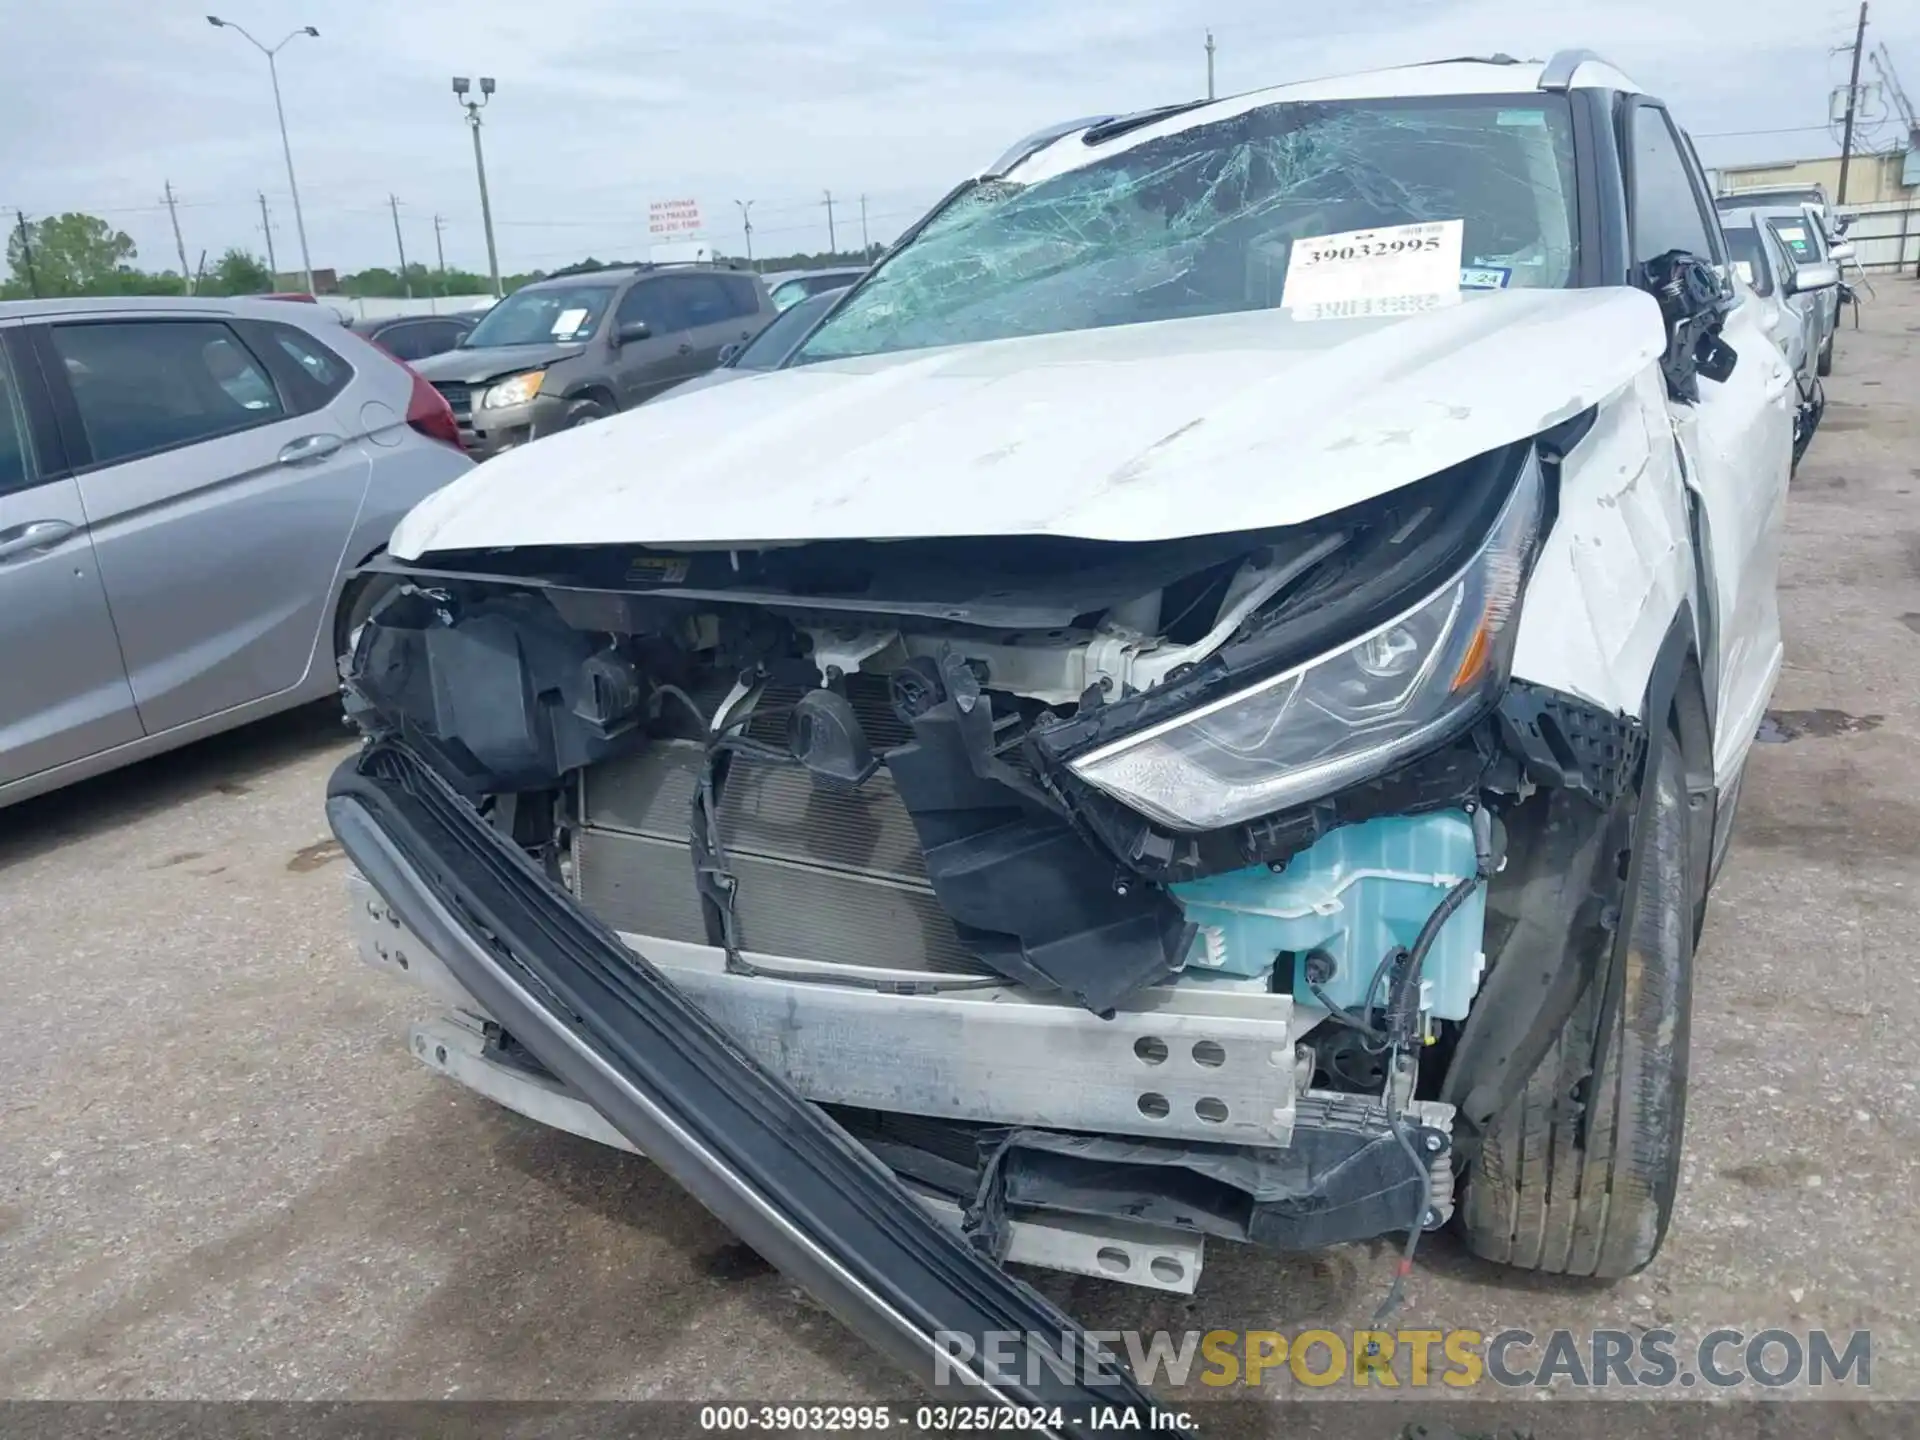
{"x": 221, "y": 1176}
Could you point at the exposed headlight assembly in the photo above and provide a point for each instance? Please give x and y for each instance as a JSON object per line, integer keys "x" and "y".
{"x": 1413, "y": 683}
{"x": 516, "y": 391}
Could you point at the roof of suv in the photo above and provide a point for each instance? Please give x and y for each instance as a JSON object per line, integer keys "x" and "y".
{"x": 617, "y": 274}
{"x": 1495, "y": 75}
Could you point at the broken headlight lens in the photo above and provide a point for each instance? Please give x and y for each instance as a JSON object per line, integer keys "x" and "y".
{"x": 1412, "y": 683}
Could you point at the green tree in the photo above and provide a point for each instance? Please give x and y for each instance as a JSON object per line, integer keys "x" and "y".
{"x": 375, "y": 282}
{"x": 72, "y": 254}
{"x": 239, "y": 273}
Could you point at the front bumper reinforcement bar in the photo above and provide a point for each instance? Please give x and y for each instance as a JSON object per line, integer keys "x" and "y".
{"x": 768, "y": 1164}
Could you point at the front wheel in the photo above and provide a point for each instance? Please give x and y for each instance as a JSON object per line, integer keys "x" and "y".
{"x": 1577, "y": 1176}
{"x": 585, "y": 412}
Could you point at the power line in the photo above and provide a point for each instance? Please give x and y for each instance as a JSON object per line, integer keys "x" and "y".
{"x": 1783, "y": 130}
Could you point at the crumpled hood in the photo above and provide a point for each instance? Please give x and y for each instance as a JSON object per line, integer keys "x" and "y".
{"x": 1137, "y": 432}
{"x": 489, "y": 362}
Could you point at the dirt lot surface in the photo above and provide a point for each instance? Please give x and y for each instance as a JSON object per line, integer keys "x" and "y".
{"x": 222, "y": 1176}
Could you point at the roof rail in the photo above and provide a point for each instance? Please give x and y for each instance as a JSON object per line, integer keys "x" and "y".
{"x": 1498, "y": 58}
{"x": 1558, "y": 72}
{"x": 1040, "y": 138}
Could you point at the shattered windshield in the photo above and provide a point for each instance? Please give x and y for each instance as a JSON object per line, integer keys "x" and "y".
{"x": 1209, "y": 219}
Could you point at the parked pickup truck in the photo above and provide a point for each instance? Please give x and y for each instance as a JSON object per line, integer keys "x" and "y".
{"x": 1201, "y": 705}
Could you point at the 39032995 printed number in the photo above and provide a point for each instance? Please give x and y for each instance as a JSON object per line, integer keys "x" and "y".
{"x": 1367, "y": 249}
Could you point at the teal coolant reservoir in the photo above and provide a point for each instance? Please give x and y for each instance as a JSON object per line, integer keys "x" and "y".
{"x": 1354, "y": 895}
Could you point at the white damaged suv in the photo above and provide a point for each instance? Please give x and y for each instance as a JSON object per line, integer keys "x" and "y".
{"x": 1202, "y": 704}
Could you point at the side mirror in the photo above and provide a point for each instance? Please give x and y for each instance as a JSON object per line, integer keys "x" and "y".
{"x": 632, "y": 330}
{"x": 1814, "y": 275}
{"x": 731, "y": 353}
{"x": 1840, "y": 250}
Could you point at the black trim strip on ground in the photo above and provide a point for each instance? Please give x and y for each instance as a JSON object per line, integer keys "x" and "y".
{"x": 766, "y": 1162}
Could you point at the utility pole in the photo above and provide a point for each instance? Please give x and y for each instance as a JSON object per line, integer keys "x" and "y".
{"x": 440, "y": 252}
{"x": 1210, "y": 64}
{"x": 473, "y": 107}
{"x": 746, "y": 226}
{"x": 266, "y": 228}
{"x": 1853, "y": 99}
{"x": 406, "y": 280}
{"x": 833, "y": 245}
{"x": 186, "y": 275}
{"x": 866, "y": 245}
{"x": 26, "y": 253}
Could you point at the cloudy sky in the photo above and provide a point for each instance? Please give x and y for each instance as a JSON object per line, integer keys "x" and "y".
{"x": 604, "y": 107}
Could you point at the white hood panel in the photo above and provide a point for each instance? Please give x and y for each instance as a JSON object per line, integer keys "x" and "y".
{"x": 1138, "y": 432}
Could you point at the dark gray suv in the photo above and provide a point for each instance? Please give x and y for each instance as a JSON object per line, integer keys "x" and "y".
{"x": 575, "y": 348}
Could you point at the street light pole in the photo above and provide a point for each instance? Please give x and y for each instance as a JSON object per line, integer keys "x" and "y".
{"x": 461, "y": 87}
{"x": 279, "y": 110}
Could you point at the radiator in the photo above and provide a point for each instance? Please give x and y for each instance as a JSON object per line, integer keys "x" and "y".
{"x": 824, "y": 873}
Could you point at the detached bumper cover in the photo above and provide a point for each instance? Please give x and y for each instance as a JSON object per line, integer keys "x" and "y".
{"x": 767, "y": 1163}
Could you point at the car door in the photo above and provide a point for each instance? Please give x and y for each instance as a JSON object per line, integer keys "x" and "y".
{"x": 1737, "y": 442}
{"x": 220, "y": 486}
{"x": 63, "y": 689}
{"x": 712, "y": 313}
{"x": 643, "y": 368}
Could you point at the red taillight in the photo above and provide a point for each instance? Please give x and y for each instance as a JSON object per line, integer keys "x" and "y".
{"x": 428, "y": 411}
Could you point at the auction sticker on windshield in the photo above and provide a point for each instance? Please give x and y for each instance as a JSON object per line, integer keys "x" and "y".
{"x": 568, "y": 321}
{"x": 1392, "y": 270}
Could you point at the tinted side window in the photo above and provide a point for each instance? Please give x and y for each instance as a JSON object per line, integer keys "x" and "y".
{"x": 647, "y": 301}
{"x": 407, "y": 342}
{"x": 143, "y": 386}
{"x": 441, "y": 335}
{"x": 700, "y": 300}
{"x": 743, "y": 293}
{"x": 16, "y": 458}
{"x": 1666, "y": 208}
{"x": 317, "y": 374}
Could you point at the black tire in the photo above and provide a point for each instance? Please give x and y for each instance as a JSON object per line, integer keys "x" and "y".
{"x": 1823, "y": 365}
{"x": 585, "y": 412}
{"x": 357, "y": 602}
{"x": 1535, "y": 1198}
